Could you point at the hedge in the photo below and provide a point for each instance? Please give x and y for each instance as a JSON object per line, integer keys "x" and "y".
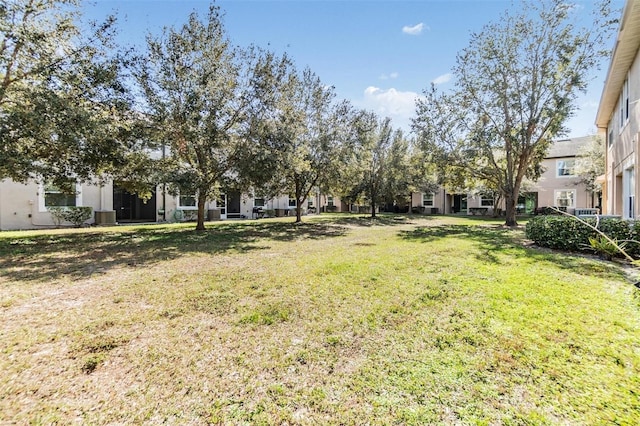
{"x": 568, "y": 233}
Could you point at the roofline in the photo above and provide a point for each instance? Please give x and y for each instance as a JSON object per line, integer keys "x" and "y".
{"x": 627, "y": 42}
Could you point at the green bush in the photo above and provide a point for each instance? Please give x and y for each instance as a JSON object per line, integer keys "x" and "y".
{"x": 568, "y": 233}
{"x": 57, "y": 214}
{"x": 76, "y": 215}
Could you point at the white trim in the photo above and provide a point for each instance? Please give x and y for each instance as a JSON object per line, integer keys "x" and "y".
{"x": 558, "y": 175}
{"x": 433, "y": 199}
{"x": 628, "y": 193}
{"x": 181, "y": 207}
{"x": 573, "y": 199}
{"x": 41, "y": 200}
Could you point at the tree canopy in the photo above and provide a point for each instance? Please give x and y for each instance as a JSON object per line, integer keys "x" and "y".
{"x": 303, "y": 140}
{"x": 202, "y": 95}
{"x": 64, "y": 110}
{"x": 516, "y": 84}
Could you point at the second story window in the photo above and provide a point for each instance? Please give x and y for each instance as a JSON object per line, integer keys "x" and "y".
{"x": 565, "y": 168}
{"x": 427, "y": 200}
{"x": 624, "y": 104}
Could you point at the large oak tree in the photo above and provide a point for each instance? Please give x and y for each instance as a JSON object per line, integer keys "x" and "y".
{"x": 516, "y": 84}
{"x": 303, "y": 143}
{"x": 64, "y": 110}
{"x": 202, "y": 95}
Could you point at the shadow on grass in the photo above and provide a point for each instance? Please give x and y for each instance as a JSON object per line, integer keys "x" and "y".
{"x": 83, "y": 254}
{"x": 493, "y": 240}
{"x": 381, "y": 219}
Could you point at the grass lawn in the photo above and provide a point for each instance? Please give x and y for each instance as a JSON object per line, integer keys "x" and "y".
{"x": 339, "y": 320}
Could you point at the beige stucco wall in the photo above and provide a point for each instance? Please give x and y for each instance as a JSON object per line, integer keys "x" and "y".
{"x": 438, "y": 200}
{"x": 622, "y": 154}
{"x": 550, "y": 182}
{"x": 21, "y": 205}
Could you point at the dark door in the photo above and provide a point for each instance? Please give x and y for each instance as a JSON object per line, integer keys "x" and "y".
{"x": 131, "y": 208}
{"x": 459, "y": 203}
{"x": 233, "y": 204}
{"x": 527, "y": 203}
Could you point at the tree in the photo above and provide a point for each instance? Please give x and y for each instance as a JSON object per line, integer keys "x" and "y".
{"x": 64, "y": 110}
{"x": 374, "y": 138}
{"x": 590, "y": 165}
{"x": 516, "y": 84}
{"x": 201, "y": 95}
{"x": 303, "y": 141}
{"x": 384, "y": 168}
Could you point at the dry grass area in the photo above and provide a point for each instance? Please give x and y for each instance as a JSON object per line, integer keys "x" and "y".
{"x": 339, "y": 320}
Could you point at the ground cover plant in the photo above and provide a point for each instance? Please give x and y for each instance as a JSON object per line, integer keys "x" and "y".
{"x": 337, "y": 320}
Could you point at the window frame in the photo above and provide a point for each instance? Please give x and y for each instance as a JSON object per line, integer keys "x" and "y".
{"x": 623, "y": 104}
{"x": 428, "y": 199}
{"x": 42, "y": 197}
{"x": 556, "y": 193}
{"x": 185, "y": 206}
{"x": 486, "y": 200}
{"x": 571, "y": 168}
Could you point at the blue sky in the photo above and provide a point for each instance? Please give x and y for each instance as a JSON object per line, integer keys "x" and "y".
{"x": 379, "y": 54}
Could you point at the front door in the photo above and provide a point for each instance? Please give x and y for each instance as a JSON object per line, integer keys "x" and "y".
{"x": 459, "y": 203}
{"x": 233, "y": 204}
{"x": 131, "y": 208}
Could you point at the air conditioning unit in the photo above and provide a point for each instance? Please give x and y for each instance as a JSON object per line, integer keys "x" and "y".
{"x": 105, "y": 217}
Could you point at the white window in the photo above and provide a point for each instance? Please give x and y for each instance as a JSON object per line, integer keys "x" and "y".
{"x": 629, "y": 191}
{"x": 330, "y": 201}
{"x": 486, "y": 200}
{"x": 427, "y": 200}
{"x": 50, "y": 195}
{"x": 610, "y": 136}
{"x": 258, "y": 202}
{"x": 292, "y": 201}
{"x": 187, "y": 202}
{"x": 565, "y": 168}
{"x": 623, "y": 104}
{"x": 565, "y": 197}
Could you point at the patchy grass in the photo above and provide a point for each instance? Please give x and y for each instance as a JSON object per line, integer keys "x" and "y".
{"x": 338, "y": 320}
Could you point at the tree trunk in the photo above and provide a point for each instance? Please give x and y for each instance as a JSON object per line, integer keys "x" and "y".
{"x": 373, "y": 209}
{"x": 200, "y": 225}
{"x": 496, "y": 206}
{"x": 298, "y": 211}
{"x": 510, "y": 205}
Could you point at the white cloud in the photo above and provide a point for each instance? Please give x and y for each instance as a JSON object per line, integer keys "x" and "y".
{"x": 392, "y": 103}
{"x": 444, "y": 78}
{"x": 415, "y": 30}
{"x": 391, "y": 76}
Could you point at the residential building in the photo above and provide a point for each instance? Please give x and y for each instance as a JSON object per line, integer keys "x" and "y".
{"x": 618, "y": 118}
{"x": 25, "y": 206}
{"x": 558, "y": 186}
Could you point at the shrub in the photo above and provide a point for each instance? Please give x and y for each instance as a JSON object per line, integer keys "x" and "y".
{"x": 57, "y": 214}
{"x": 568, "y": 233}
{"x": 76, "y": 215}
